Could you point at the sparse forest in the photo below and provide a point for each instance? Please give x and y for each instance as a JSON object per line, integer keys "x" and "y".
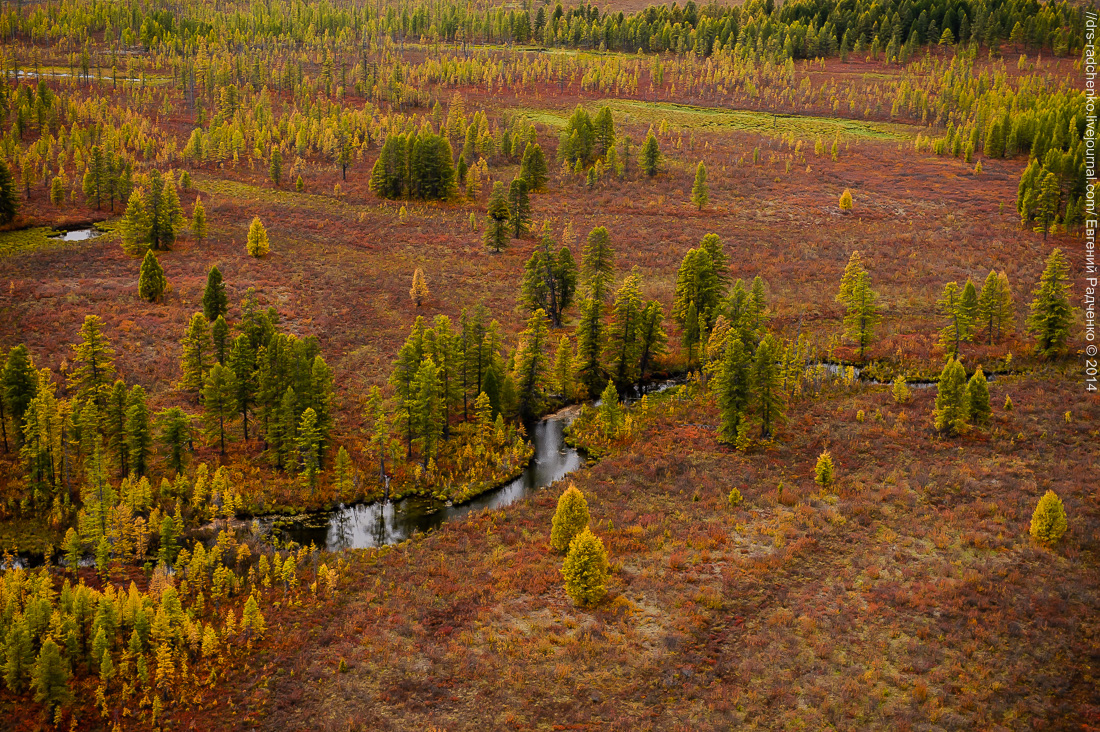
{"x": 370, "y": 365}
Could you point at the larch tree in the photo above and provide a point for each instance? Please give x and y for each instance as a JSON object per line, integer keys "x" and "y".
{"x": 598, "y": 264}
{"x": 174, "y": 427}
{"x": 590, "y": 337}
{"x": 18, "y": 385}
{"x": 139, "y": 438}
{"x": 309, "y": 453}
{"x": 699, "y": 194}
{"x": 95, "y": 363}
{"x": 426, "y": 412}
{"x": 215, "y": 302}
{"x": 219, "y": 396}
{"x": 219, "y": 336}
{"x": 242, "y": 360}
{"x": 563, "y": 369}
{"x": 136, "y": 223}
{"x": 198, "y": 221}
{"x": 732, "y": 388}
{"x": 952, "y": 412}
{"x": 275, "y": 169}
{"x": 258, "y": 244}
{"x": 996, "y": 308}
{"x": 533, "y": 365}
{"x": 9, "y": 199}
{"x": 570, "y": 518}
{"x": 957, "y": 328}
{"x": 496, "y": 219}
{"x": 1051, "y": 314}
{"x": 50, "y": 677}
{"x": 549, "y": 279}
{"x": 862, "y": 311}
{"x": 719, "y": 260}
{"x": 767, "y": 384}
{"x": 586, "y": 569}
{"x": 977, "y": 394}
{"x": 650, "y": 160}
{"x": 533, "y": 169}
{"x": 652, "y": 338}
{"x": 623, "y": 337}
{"x": 519, "y": 208}
{"x": 151, "y": 280}
{"x": 198, "y": 354}
{"x": 419, "y": 290}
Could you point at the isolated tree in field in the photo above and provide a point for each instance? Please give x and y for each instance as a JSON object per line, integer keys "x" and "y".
{"x": 732, "y": 388}
{"x": 275, "y": 171}
{"x": 570, "y": 518}
{"x": 533, "y": 169}
{"x": 219, "y": 396}
{"x": 1051, "y": 314}
{"x": 952, "y": 413}
{"x": 585, "y": 569}
{"x": 198, "y": 221}
{"x": 977, "y": 395}
{"x": 496, "y": 219}
{"x": 951, "y": 309}
{"x": 50, "y": 677}
{"x": 9, "y": 199}
{"x": 533, "y": 365}
{"x": 1048, "y": 522}
{"x": 651, "y": 155}
{"x": 699, "y": 195}
{"x": 549, "y": 279}
{"x": 198, "y": 354}
{"x": 846, "y": 200}
{"x": 860, "y": 302}
{"x": 598, "y": 264}
{"x": 825, "y": 470}
{"x": 996, "y": 309}
{"x": 174, "y": 427}
{"x": 151, "y": 280}
{"x": 95, "y": 363}
{"x": 214, "y": 300}
{"x": 258, "y": 245}
{"x": 519, "y": 208}
{"x": 419, "y": 291}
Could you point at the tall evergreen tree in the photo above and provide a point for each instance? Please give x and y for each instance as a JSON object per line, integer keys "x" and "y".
{"x": 403, "y": 377}
{"x": 114, "y": 425}
{"x": 519, "y": 208}
{"x": 1051, "y": 314}
{"x": 549, "y": 279}
{"x": 652, "y": 338}
{"x": 198, "y": 354}
{"x": 598, "y": 264}
{"x": 533, "y": 365}
{"x": 590, "y": 338}
{"x": 219, "y": 396}
{"x": 242, "y": 361}
{"x": 977, "y": 395}
{"x": 95, "y": 363}
{"x": 699, "y": 194}
{"x": 309, "y": 444}
{"x": 219, "y": 337}
{"x": 426, "y": 412}
{"x": 533, "y": 168}
{"x": 624, "y": 334}
{"x": 18, "y": 654}
{"x": 651, "y": 155}
{"x": 957, "y": 317}
{"x": 996, "y": 309}
{"x": 174, "y": 426}
{"x": 198, "y": 221}
{"x": 496, "y": 219}
{"x": 862, "y": 311}
{"x": 151, "y": 281}
{"x": 19, "y": 382}
{"x": 563, "y": 369}
{"x": 732, "y": 387}
{"x": 767, "y": 383}
{"x": 139, "y": 439}
{"x": 9, "y": 199}
{"x": 952, "y": 412}
{"x": 137, "y": 222}
{"x": 718, "y": 259}
{"x": 214, "y": 300}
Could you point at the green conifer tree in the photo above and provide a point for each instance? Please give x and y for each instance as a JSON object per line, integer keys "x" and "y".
{"x": 533, "y": 365}
{"x": 214, "y": 300}
{"x": 496, "y": 219}
{"x": 151, "y": 281}
{"x": 732, "y": 388}
{"x": 1051, "y": 314}
{"x": 860, "y": 302}
{"x": 198, "y": 354}
{"x": 95, "y": 363}
{"x": 570, "y": 518}
{"x": 977, "y": 394}
{"x": 219, "y": 396}
{"x": 651, "y": 155}
{"x": 699, "y": 195}
{"x": 586, "y": 569}
{"x": 952, "y": 413}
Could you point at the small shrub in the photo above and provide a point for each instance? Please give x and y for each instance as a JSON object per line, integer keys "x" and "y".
{"x": 824, "y": 471}
{"x": 901, "y": 391}
{"x": 846, "y": 200}
{"x": 1008, "y": 403}
{"x": 735, "y": 497}
{"x": 1048, "y": 523}
{"x": 860, "y": 416}
{"x": 585, "y": 569}
{"x": 570, "y": 519}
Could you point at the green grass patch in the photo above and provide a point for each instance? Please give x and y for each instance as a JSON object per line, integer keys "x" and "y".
{"x": 28, "y": 240}
{"x": 714, "y": 118}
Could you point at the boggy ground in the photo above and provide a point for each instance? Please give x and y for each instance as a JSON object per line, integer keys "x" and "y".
{"x": 912, "y": 598}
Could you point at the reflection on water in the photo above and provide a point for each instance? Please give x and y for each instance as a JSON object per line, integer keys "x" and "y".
{"x": 77, "y": 235}
{"x": 378, "y": 524}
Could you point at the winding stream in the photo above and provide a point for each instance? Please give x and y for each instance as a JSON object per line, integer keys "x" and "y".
{"x": 378, "y": 524}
